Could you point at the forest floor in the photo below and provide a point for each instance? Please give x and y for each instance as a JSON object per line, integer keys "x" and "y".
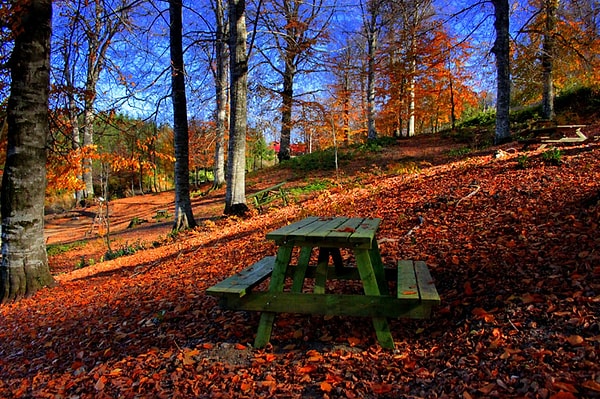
{"x": 512, "y": 243}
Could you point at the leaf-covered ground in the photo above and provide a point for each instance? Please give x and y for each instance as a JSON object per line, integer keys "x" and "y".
{"x": 515, "y": 254}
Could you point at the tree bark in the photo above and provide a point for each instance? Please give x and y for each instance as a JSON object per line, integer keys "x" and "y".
{"x": 287, "y": 97}
{"x": 372, "y": 33}
{"x": 24, "y": 267}
{"x": 99, "y": 32}
{"x": 221, "y": 92}
{"x": 184, "y": 216}
{"x": 547, "y": 60}
{"x": 501, "y": 50}
{"x": 235, "y": 196}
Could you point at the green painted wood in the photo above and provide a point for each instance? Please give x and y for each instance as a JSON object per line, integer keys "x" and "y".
{"x": 336, "y": 255}
{"x": 321, "y": 272}
{"x": 427, "y": 290}
{"x": 265, "y": 328}
{"x": 299, "y": 272}
{"x": 331, "y": 304}
{"x": 280, "y": 235}
{"x": 242, "y": 283}
{"x": 347, "y": 232}
{"x": 345, "y": 273}
{"x": 267, "y": 191}
{"x": 414, "y": 281}
{"x": 371, "y": 287}
{"x": 365, "y": 232}
{"x": 367, "y": 274}
{"x": 407, "y": 280}
{"x": 318, "y": 232}
{"x": 338, "y": 232}
{"x": 378, "y": 269}
{"x": 265, "y": 325}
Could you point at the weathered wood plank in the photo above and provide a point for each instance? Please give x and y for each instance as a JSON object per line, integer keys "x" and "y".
{"x": 343, "y": 231}
{"x": 427, "y": 290}
{"x": 365, "y": 232}
{"x": 378, "y": 268}
{"x": 265, "y": 325}
{"x": 281, "y": 234}
{"x": 299, "y": 271}
{"x": 407, "y": 280}
{"x": 267, "y": 190}
{"x": 321, "y": 272}
{"x": 369, "y": 278}
{"x": 357, "y": 305}
{"x": 242, "y": 283}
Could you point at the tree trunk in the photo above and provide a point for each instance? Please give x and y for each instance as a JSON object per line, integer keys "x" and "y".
{"x": 88, "y": 141}
{"x": 548, "y": 59}
{"x": 24, "y": 267}
{"x": 501, "y": 50}
{"x": 411, "y": 95}
{"x": 221, "y": 91}
{"x": 99, "y": 32}
{"x": 371, "y": 28}
{"x": 287, "y": 98}
{"x": 184, "y": 216}
{"x": 235, "y": 196}
{"x": 452, "y": 104}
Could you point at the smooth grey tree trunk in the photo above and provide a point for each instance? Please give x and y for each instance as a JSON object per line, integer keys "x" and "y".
{"x": 184, "y": 216}
{"x": 287, "y": 99}
{"x": 99, "y": 32}
{"x": 235, "y": 196}
{"x": 501, "y": 50}
{"x": 24, "y": 267}
{"x": 221, "y": 92}
{"x": 550, "y": 8}
{"x": 372, "y": 33}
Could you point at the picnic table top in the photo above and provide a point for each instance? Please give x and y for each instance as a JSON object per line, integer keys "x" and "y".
{"x": 344, "y": 232}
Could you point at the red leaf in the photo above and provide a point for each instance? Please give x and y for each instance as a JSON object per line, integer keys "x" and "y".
{"x": 381, "y": 388}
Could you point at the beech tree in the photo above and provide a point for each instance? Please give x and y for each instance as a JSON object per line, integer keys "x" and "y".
{"x": 558, "y": 49}
{"x": 501, "y": 50}
{"x": 88, "y": 32}
{"x": 296, "y": 27}
{"x": 235, "y": 196}
{"x": 24, "y": 267}
{"x": 371, "y": 27}
{"x": 547, "y": 58}
{"x": 184, "y": 216}
{"x": 220, "y": 72}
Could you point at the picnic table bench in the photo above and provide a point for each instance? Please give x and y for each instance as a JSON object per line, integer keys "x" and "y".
{"x": 268, "y": 195}
{"x": 413, "y": 297}
{"x": 548, "y": 133}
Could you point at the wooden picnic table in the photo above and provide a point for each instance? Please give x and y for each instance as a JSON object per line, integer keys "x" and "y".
{"x": 414, "y": 296}
{"x": 555, "y": 134}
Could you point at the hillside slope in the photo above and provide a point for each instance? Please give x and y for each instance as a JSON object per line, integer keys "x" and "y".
{"x": 512, "y": 246}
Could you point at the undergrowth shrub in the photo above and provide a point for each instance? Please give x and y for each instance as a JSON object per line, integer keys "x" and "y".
{"x": 319, "y": 160}
{"x": 459, "y": 152}
{"x": 553, "y": 156}
{"x": 124, "y": 250}
{"x": 312, "y": 186}
{"x": 523, "y": 161}
{"x": 404, "y": 168}
{"x": 60, "y": 248}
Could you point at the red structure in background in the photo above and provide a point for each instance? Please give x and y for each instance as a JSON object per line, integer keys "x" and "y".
{"x": 295, "y": 149}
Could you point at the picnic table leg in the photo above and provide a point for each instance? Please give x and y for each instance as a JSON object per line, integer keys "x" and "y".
{"x": 338, "y": 261}
{"x": 321, "y": 276}
{"x": 377, "y": 263}
{"x": 368, "y": 275}
{"x": 265, "y": 326}
{"x": 300, "y": 269}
